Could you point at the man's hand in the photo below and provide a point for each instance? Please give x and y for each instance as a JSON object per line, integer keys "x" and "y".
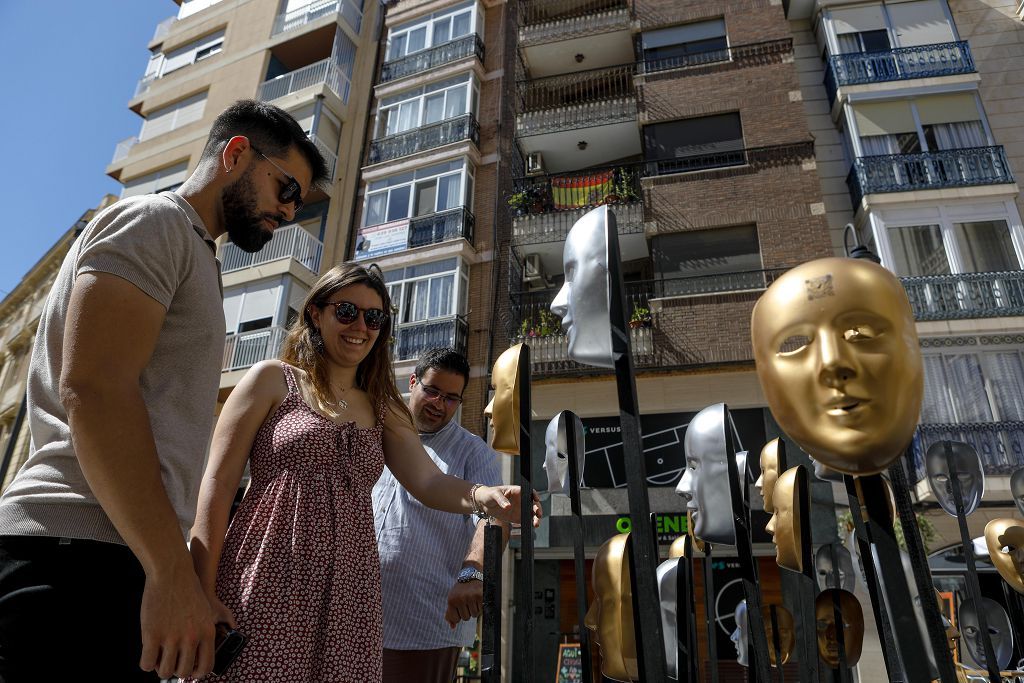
{"x": 465, "y": 601}
{"x": 504, "y": 503}
{"x": 177, "y": 625}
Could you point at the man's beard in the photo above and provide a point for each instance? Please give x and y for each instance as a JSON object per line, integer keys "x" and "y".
{"x": 242, "y": 218}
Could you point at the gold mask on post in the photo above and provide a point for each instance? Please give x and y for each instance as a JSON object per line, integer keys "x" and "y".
{"x": 769, "y": 473}
{"x": 853, "y": 626}
{"x": 785, "y": 523}
{"x": 1007, "y": 533}
{"x": 678, "y": 547}
{"x": 698, "y": 544}
{"x": 787, "y": 632}
{"x": 610, "y": 617}
{"x": 839, "y": 362}
{"x": 504, "y": 407}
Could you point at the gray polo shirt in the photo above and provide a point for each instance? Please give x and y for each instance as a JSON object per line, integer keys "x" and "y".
{"x": 159, "y": 244}
{"x": 422, "y": 549}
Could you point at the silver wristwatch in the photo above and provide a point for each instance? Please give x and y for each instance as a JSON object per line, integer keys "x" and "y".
{"x": 470, "y": 574}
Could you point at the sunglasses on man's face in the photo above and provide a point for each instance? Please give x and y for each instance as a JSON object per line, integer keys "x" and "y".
{"x": 291, "y": 191}
{"x": 346, "y": 313}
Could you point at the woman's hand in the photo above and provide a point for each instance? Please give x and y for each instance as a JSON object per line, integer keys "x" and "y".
{"x": 222, "y": 615}
{"x": 504, "y": 502}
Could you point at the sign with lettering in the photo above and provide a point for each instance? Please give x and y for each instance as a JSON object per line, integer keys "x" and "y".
{"x": 570, "y": 664}
{"x": 383, "y": 239}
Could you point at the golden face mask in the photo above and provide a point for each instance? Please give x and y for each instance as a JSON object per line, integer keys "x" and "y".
{"x": 504, "y": 407}
{"x": 787, "y": 632}
{"x": 1005, "y": 540}
{"x": 839, "y": 362}
{"x": 785, "y": 523}
{"x": 769, "y": 473}
{"x": 610, "y": 617}
{"x": 853, "y": 626}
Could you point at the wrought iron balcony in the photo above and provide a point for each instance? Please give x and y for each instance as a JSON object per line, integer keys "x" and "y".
{"x": 412, "y": 339}
{"x": 439, "y": 55}
{"x": 577, "y": 100}
{"x": 543, "y": 21}
{"x": 1000, "y": 444}
{"x": 290, "y": 242}
{"x": 554, "y": 226}
{"x": 441, "y": 227}
{"x": 750, "y": 54}
{"x": 757, "y": 157}
{"x": 717, "y": 283}
{"x": 325, "y": 72}
{"x": 966, "y": 295}
{"x": 245, "y": 349}
{"x": 928, "y": 171}
{"x": 899, "y": 64}
{"x": 420, "y": 139}
{"x": 350, "y": 11}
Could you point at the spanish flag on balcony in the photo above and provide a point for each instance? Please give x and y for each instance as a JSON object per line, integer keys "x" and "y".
{"x": 573, "y": 192}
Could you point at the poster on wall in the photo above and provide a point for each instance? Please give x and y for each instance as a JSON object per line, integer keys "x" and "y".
{"x": 383, "y": 239}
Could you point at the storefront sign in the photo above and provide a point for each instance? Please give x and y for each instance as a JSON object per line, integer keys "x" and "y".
{"x": 379, "y": 240}
{"x": 570, "y": 664}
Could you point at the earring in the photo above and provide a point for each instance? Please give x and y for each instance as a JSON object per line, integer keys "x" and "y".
{"x": 318, "y": 341}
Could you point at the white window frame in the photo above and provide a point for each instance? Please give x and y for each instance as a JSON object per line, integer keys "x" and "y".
{"x": 466, "y": 176}
{"x": 428, "y": 24}
{"x": 173, "y": 116}
{"x": 398, "y": 289}
{"x": 200, "y": 49}
{"x": 418, "y": 98}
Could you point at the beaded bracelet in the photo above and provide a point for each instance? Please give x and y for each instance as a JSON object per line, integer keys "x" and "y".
{"x": 477, "y": 510}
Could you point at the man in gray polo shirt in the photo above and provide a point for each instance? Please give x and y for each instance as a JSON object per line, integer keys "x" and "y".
{"x": 95, "y": 577}
{"x": 431, "y": 562}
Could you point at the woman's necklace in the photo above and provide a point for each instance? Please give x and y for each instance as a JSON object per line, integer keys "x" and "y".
{"x": 341, "y": 403}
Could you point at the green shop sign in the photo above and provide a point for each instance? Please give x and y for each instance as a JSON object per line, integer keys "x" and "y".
{"x": 670, "y": 526}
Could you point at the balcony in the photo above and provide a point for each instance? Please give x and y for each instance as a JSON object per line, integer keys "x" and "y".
{"x": 900, "y": 64}
{"x": 124, "y": 148}
{"x": 966, "y": 295}
{"x": 446, "y": 53}
{"x": 289, "y": 21}
{"x": 928, "y": 171}
{"x": 576, "y": 100}
{"x": 245, "y": 349}
{"x": 325, "y": 72}
{"x": 290, "y": 242}
{"x": 423, "y": 138}
{"x": 330, "y": 158}
{"x": 696, "y": 63}
{"x": 412, "y": 339}
{"x": 1000, "y": 444}
{"x": 375, "y": 241}
{"x": 545, "y": 21}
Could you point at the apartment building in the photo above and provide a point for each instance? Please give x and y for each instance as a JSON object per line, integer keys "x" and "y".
{"x": 916, "y": 109}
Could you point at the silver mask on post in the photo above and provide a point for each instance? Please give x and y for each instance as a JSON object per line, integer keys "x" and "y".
{"x": 667, "y": 599}
{"x": 998, "y": 627}
{"x": 705, "y": 482}
{"x": 741, "y": 636}
{"x": 582, "y": 302}
{"x": 556, "y": 458}
{"x": 833, "y": 565}
{"x": 1017, "y": 489}
{"x": 945, "y": 459}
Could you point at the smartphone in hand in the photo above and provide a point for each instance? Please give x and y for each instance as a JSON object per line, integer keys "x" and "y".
{"x": 228, "y": 645}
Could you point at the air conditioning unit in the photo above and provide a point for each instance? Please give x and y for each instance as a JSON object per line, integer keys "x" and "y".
{"x": 533, "y": 272}
{"x": 534, "y": 163}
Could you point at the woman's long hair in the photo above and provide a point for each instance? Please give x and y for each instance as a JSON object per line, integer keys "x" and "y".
{"x": 375, "y": 374}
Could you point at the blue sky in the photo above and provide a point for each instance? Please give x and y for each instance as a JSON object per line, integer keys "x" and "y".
{"x": 71, "y": 67}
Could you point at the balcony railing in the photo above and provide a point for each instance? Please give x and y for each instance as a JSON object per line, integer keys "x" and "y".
{"x": 420, "y": 139}
{"x": 439, "y": 55}
{"x": 1000, "y": 444}
{"x": 163, "y": 28}
{"x": 412, "y": 339}
{"x": 143, "y": 85}
{"x": 123, "y": 148}
{"x": 920, "y": 61}
{"x": 441, "y": 227}
{"x": 966, "y": 295}
{"x": 543, "y": 21}
{"x": 554, "y": 227}
{"x": 289, "y": 242}
{"x": 928, "y": 171}
{"x": 245, "y": 349}
{"x": 330, "y": 157}
{"x": 576, "y": 100}
{"x": 750, "y": 54}
{"x": 325, "y": 72}
{"x": 716, "y": 283}
{"x": 350, "y": 12}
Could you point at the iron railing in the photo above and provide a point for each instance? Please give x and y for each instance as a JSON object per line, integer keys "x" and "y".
{"x": 245, "y": 349}
{"x": 577, "y": 88}
{"x": 124, "y": 148}
{"x": 543, "y": 11}
{"x": 441, "y": 227}
{"x": 329, "y": 155}
{"x": 1000, "y": 444}
{"x": 325, "y": 72}
{"x": 291, "y": 241}
{"x": 412, "y": 339}
{"x": 416, "y": 140}
{"x": 928, "y": 171}
{"x": 902, "y": 63}
{"x": 350, "y": 12}
{"x": 749, "y": 54}
{"x": 966, "y": 295}
{"x": 716, "y": 283}
{"x": 554, "y": 226}
{"x": 439, "y": 55}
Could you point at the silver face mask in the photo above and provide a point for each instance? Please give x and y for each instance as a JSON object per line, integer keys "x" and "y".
{"x": 556, "y": 459}
{"x": 741, "y": 636}
{"x": 945, "y": 459}
{"x": 998, "y": 628}
{"x": 826, "y": 473}
{"x": 1017, "y": 489}
{"x": 582, "y": 303}
{"x": 667, "y": 599}
{"x": 705, "y": 482}
{"x": 833, "y": 565}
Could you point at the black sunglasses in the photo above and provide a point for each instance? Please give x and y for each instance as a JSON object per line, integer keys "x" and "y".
{"x": 291, "y": 191}
{"x": 433, "y": 394}
{"x": 346, "y": 312}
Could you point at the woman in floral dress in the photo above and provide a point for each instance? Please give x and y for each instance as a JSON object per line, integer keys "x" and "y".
{"x": 297, "y": 571}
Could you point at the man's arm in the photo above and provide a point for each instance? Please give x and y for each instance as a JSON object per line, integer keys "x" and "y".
{"x": 466, "y": 600}
{"x": 111, "y": 331}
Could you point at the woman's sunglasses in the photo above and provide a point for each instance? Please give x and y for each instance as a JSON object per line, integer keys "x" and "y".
{"x": 346, "y": 313}
{"x": 291, "y": 191}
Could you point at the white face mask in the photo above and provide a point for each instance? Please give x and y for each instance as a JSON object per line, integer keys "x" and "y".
{"x": 833, "y": 565}
{"x": 667, "y": 594}
{"x": 705, "y": 484}
{"x": 998, "y": 627}
{"x": 741, "y": 636}
{"x": 556, "y": 460}
{"x": 946, "y": 459}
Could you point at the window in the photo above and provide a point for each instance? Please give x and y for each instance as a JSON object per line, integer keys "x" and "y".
{"x": 694, "y": 144}
{"x": 166, "y": 119}
{"x": 162, "y": 64}
{"x": 418, "y": 193}
{"x": 940, "y": 249}
{"x": 169, "y": 178}
{"x": 985, "y": 247}
{"x": 864, "y": 41}
{"x": 701, "y": 261}
{"x": 252, "y": 307}
{"x": 190, "y": 7}
{"x": 918, "y": 250}
{"x": 436, "y": 29}
{"x": 697, "y": 43}
{"x": 421, "y": 107}
{"x": 427, "y": 291}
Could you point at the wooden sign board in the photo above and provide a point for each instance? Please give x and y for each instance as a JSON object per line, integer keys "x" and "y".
{"x": 570, "y": 664}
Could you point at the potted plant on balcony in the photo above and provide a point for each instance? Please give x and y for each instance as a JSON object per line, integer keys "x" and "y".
{"x": 641, "y": 317}
{"x": 625, "y": 182}
{"x": 519, "y": 201}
